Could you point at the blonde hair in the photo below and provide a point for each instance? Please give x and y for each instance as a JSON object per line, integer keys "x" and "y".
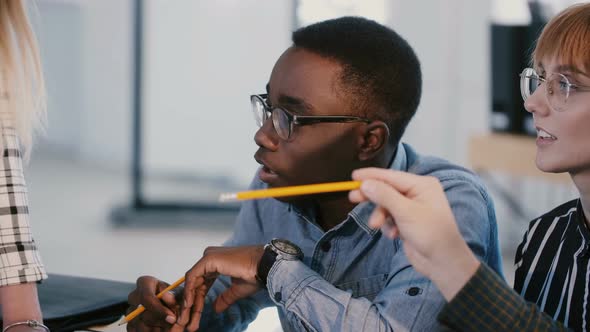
{"x": 22, "y": 86}
{"x": 567, "y": 37}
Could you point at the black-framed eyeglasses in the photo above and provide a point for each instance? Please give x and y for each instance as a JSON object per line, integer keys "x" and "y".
{"x": 557, "y": 87}
{"x": 284, "y": 122}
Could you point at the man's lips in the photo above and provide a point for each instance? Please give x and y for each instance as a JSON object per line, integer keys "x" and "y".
{"x": 268, "y": 170}
{"x": 263, "y": 163}
{"x": 266, "y": 174}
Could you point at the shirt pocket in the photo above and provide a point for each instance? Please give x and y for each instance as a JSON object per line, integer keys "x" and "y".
{"x": 367, "y": 287}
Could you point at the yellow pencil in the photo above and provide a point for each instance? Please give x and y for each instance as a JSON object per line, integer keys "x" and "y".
{"x": 291, "y": 191}
{"x": 141, "y": 308}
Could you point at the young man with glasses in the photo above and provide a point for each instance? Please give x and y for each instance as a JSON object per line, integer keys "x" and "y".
{"x": 339, "y": 99}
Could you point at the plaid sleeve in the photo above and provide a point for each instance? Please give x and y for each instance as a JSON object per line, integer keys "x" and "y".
{"x": 487, "y": 303}
{"x": 20, "y": 261}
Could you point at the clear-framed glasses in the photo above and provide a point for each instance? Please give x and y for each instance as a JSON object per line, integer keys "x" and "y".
{"x": 284, "y": 122}
{"x": 558, "y": 88}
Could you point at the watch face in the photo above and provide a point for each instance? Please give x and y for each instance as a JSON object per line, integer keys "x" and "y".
{"x": 286, "y": 247}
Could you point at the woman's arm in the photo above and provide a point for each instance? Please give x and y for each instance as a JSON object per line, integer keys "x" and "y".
{"x": 20, "y": 303}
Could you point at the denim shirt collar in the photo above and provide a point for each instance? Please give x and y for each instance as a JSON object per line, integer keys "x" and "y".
{"x": 362, "y": 212}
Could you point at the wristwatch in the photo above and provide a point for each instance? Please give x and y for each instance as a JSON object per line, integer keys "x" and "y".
{"x": 276, "y": 249}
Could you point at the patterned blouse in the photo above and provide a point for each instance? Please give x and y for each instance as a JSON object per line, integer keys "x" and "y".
{"x": 19, "y": 259}
{"x": 553, "y": 265}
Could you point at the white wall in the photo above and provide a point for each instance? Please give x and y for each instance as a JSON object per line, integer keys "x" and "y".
{"x": 451, "y": 38}
{"x": 108, "y": 68}
{"x": 202, "y": 67}
{"x": 203, "y": 60}
{"x": 86, "y": 48}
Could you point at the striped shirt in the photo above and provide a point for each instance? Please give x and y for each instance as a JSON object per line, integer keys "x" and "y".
{"x": 552, "y": 265}
{"x": 19, "y": 258}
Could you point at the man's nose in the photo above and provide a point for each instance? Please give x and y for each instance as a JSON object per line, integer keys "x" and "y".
{"x": 266, "y": 136}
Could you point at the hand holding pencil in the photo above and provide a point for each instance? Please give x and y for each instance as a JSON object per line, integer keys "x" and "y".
{"x": 141, "y": 308}
{"x": 151, "y": 311}
{"x": 149, "y": 283}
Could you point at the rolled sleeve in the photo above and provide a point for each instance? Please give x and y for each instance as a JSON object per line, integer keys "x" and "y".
{"x": 287, "y": 279}
{"x": 295, "y": 287}
{"x": 317, "y": 305}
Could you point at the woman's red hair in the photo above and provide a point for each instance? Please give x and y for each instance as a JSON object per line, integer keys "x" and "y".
{"x": 567, "y": 38}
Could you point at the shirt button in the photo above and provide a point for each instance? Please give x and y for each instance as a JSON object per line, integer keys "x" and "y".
{"x": 326, "y": 246}
{"x": 413, "y": 291}
{"x": 278, "y": 297}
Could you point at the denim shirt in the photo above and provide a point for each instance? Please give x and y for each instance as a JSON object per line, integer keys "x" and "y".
{"x": 353, "y": 278}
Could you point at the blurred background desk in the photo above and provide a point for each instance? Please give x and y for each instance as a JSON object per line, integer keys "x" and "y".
{"x": 513, "y": 155}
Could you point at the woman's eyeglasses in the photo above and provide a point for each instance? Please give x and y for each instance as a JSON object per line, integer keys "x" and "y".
{"x": 557, "y": 87}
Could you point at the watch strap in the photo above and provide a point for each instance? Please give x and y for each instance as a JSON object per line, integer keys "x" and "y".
{"x": 266, "y": 262}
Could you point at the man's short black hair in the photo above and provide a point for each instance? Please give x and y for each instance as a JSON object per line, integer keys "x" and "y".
{"x": 380, "y": 68}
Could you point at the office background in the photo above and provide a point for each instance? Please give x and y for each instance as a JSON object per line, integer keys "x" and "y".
{"x": 201, "y": 61}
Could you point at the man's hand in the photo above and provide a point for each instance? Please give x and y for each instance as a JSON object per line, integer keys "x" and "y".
{"x": 239, "y": 263}
{"x": 160, "y": 314}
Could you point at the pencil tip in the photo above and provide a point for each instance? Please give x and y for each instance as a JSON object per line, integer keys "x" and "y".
{"x": 122, "y": 323}
{"x": 227, "y": 197}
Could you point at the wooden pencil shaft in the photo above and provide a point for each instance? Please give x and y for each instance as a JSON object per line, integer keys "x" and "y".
{"x": 299, "y": 190}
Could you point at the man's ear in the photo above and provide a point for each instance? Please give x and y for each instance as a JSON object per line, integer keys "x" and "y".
{"x": 374, "y": 140}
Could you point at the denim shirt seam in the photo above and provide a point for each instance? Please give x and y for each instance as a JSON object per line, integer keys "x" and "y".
{"x": 486, "y": 199}
{"x": 426, "y": 291}
{"x": 356, "y": 217}
{"x": 301, "y": 318}
{"x": 333, "y": 259}
{"x": 297, "y": 290}
{"x": 315, "y": 263}
{"x": 294, "y": 291}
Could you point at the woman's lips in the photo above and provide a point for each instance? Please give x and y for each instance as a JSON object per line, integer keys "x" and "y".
{"x": 544, "y": 138}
